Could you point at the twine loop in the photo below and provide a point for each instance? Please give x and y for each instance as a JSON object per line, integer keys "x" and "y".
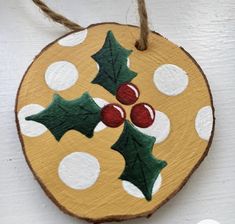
{"x": 141, "y": 44}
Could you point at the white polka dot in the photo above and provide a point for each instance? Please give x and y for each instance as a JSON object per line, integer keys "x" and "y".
{"x": 100, "y": 126}
{"x": 204, "y": 122}
{"x": 160, "y": 128}
{"x": 128, "y": 62}
{"x": 208, "y": 221}
{"x": 134, "y": 191}
{"x": 79, "y": 170}
{"x": 30, "y": 128}
{"x": 73, "y": 39}
{"x": 97, "y": 66}
{"x": 170, "y": 79}
{"x": 61, "y": 75}
{"x": 101, "y": 103}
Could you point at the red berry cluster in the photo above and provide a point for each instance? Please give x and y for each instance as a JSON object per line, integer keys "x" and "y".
{"x": 142, "y": 114}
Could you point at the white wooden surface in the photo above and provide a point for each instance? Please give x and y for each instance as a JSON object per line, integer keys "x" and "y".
{"x": 205, "y": 28}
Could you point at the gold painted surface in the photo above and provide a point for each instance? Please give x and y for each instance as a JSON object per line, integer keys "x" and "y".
{"x": 182, "y": 150}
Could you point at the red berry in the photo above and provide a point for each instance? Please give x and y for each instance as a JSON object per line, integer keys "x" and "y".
{"x": 127, "y": 93}
{"x": 113, "y": 115}
{"x": 142, "y": 115}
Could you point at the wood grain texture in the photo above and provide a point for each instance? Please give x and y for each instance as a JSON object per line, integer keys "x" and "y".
{"x": 207, "y": 32}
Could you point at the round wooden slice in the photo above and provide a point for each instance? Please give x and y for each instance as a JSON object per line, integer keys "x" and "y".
{"x": 80, "y": 174}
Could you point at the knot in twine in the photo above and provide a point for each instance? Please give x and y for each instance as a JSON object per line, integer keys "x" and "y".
{"x": 141, "y": 44}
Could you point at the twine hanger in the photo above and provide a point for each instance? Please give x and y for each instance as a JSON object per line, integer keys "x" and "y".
{"x": 141, "y": 44}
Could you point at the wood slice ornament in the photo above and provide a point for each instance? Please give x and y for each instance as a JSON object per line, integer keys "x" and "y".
{"x": 111, "y": 132}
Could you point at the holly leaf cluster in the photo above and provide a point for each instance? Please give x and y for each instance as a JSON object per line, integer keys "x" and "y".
{"x": 83, "y": 115}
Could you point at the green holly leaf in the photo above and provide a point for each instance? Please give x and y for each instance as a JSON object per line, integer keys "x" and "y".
{"x": 142, "y": 168}
{"x": 81, "y": 114}
{"x": 113, "y": 69}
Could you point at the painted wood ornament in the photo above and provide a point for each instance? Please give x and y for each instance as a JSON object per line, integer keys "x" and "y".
{"x": 111, "y": 132}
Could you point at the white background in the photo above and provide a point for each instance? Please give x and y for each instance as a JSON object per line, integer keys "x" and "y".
{"x": 206, "y": 29}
